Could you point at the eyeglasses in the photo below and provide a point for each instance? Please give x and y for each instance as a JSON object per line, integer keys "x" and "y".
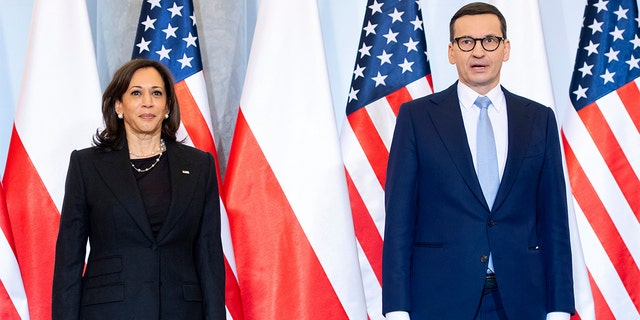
{"x": 489, "y": 43}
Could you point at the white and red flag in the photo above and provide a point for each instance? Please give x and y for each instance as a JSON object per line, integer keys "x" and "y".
{"x": 167, "y": 33}
{"x": 285, "y": 183}
{"x": 58, "y": 111}
{"x": 601, "y": 138}
{"x": 391, "y": 68}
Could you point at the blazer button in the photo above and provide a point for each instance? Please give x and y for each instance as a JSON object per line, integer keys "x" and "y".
{"x": 491, "y": 224}
{"x": 484, "y": 259}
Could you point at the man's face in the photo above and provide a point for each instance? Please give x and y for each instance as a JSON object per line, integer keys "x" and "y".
{"x": 479, "y": 69}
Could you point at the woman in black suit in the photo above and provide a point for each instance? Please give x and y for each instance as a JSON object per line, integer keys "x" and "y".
{"x": 149, "y": 207}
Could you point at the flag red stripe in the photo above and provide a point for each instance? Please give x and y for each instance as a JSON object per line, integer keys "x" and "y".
{"x": 629, "y": 94}
{"x": 7, "y": 309}
{"x": 365, "y": 229}
{"x": 281, "y": 276}
{"x": 371, "y": 143}
{"x": 613, "y": 155}
{"x": 35, "y": 221}
{"x": 193, "y": 120}
{"x": 232, "y": 293}
{"x": 603, "y": 226}
{"x": 601, "y": 307}
{"x": 4, "y": 222}
{"x": 397, "y": 98}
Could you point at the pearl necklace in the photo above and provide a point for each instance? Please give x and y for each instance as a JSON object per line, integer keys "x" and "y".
{"x": 162, "y": 148}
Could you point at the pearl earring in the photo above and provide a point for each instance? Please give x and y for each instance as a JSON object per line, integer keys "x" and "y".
{"x": 120, "y": 116}
{"x": 166, "y": 116}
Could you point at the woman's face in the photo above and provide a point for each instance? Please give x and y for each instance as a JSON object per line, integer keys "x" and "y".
{"x": 144, "y": 104}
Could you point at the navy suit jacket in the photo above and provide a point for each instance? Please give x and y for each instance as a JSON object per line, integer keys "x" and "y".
{"x": 439, "y": 230}
{"x": 130, "y": 274}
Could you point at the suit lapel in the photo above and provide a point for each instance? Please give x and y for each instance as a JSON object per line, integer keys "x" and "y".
{"x": 115, "y": 170}
{"x": 520, "y": 126}
{"x": 183, "y": 182}
{"x": 447, "y": 118}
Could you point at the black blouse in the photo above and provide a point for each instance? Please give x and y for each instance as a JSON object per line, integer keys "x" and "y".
{"x": 155, "y": 189}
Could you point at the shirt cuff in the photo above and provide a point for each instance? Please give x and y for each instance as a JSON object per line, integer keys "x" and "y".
{"x": 556, "y": 315}
{"x": 403, "y": 315}
{"x": 400, "y": 315}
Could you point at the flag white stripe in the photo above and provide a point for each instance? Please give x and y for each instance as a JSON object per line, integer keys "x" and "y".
{"x": 12, "y": 279}
{"x": 227, "y": 246}
{"x": 623, "y": 128}
{"x": 595, "y": 168}
{"x": 419, "y": 88}
{"x": 603, "y": 271}
{"x": 373, "y": 290}
{"x": 582, "y": 287}
{"x": 357, "y": 164}
{"x": 198, "y": 89}
{"x": 183, "y": 135}
{"x": 383, "y": 119}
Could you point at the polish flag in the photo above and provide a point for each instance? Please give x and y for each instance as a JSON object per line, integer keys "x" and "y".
{"x": 58, "y": 111}
{"x": 285, "y": 185}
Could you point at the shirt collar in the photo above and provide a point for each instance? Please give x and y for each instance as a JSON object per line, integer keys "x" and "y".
{"x": 467, "y": 96}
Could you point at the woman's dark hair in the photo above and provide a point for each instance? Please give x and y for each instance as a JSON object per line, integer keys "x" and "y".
{"x": 113, "y": 136}
{"x": 476, "y": 8}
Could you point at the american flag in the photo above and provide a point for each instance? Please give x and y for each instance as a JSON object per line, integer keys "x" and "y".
{"x": 13, "y": 299}
{"x": 391, "y": 68}
{"x": 601, "y": 139}
{"x": 167, "y": 33}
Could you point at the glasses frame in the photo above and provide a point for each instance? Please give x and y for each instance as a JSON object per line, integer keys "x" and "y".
{"x": 475, "y": 41}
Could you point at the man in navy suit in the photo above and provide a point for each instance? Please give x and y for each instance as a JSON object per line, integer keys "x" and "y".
{"x": 476, "y": 213}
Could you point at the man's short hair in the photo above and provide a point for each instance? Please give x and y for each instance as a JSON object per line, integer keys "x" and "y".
{"x": 476, "y": 8}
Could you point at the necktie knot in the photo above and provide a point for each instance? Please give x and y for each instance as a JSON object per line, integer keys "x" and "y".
{"x": 483, "y": 102}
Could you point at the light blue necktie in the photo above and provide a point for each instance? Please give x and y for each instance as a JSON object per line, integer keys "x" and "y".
{"x": 487, "y": 157}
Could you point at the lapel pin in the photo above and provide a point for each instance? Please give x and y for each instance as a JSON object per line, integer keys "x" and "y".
{"x": 185, "y": 172}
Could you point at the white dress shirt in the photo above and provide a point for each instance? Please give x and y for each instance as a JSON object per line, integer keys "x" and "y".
{"x": 497, "y": 114}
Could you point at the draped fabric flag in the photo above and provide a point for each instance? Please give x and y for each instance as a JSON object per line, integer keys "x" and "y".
{"x": 601, "y": 138}
{"x": 391, "y": 68}
{"x": 13, "y": 299}
{"x": 527, "y": 51}
{"x": 58, "y": 111}
{"x": 167, "y": 33}
{"x": 286, "y": 191}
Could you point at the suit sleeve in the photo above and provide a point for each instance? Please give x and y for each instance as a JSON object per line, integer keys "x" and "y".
{"x": 555, "y": 235}
{"x": 70, "y": 246}
{"x": 400, "y": 205}
{"x": 209, "y": 249}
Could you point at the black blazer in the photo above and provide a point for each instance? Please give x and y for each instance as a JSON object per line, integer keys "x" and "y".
{"x": 439, "y": 229}
{"x": 130, "y": 274}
